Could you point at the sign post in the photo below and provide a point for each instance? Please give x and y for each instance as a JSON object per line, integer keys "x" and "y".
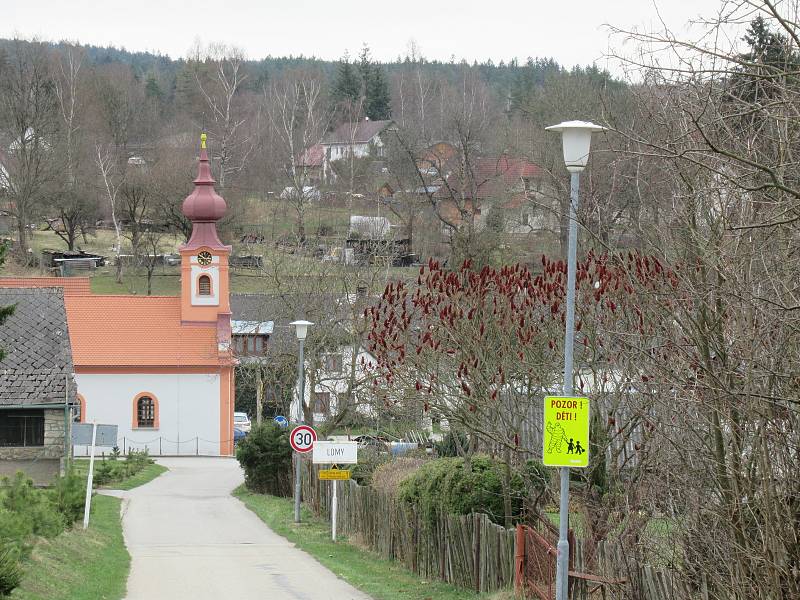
{"x": 335, "y": 453}
{"x": 302, "y": 439}
{"x": 87, "y": 505}
{"x": 85, "y": 434}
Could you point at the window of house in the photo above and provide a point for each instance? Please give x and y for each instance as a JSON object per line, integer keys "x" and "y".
{"x": 250, "y": 345}
{"x": 322, "y": 403}
{"x": 526, "y": 218}
{"x": 145, "y": 412}
{"x": 204, "y": 285}
{"x": 22, "y": 428}
{"x": 333, "y": 363}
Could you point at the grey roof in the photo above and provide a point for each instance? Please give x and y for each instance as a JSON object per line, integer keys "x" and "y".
{"x": 37, "y": 368}
{"x": 356, "y": 133}
{"x": 282, "y": 309}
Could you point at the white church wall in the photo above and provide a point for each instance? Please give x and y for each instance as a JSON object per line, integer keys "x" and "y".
{"x": 188, "y": 410}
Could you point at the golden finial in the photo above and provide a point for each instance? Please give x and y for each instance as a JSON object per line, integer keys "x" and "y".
{"x": 203, "y": 140}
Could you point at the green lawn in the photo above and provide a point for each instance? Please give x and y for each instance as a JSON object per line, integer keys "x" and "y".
{"x": 78, "y": 564}
{"x": 84, "y": 565}
{"x": 379, "y": 578}
{"x": 147, "y": 474}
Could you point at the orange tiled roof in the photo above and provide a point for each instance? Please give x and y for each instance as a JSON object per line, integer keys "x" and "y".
{"x": 136, "y": 331}
{"x": 72, "y": 285}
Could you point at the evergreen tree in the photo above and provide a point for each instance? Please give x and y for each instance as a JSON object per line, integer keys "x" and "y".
{"x": 347, "y": 85}
{"x": 374, "y": 88}
{"x": 152, "y": 89}
{"x": 377, "y": 97}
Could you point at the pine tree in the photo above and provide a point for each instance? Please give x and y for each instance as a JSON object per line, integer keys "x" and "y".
{"x": 377, "y": 96}
{"x": 347, "y": 85}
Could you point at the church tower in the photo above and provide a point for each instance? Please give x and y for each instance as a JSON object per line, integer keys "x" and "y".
{"x": 204, "y": 258}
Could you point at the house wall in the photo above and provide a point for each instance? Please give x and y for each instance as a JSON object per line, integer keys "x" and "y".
{"x": 336, "y": 382}
{"x": 190, "y": 418}
{"x": 40, "y": 463}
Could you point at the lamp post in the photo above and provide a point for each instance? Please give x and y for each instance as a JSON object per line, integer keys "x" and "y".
{"x": 301, "y": 329}
{"x": 576, "y": 138}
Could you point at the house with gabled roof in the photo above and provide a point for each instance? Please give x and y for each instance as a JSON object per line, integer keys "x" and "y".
{"x": 38, "y": 393}
{"x": 512, "y": 185}
{"x": 160, "y": 367}
{"x": 360, "y": 139}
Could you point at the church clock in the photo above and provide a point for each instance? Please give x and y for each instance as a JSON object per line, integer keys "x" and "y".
{"x": 204, "y": 258}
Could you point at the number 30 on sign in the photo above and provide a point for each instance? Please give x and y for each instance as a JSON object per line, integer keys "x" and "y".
{"x": 302, "y": 438}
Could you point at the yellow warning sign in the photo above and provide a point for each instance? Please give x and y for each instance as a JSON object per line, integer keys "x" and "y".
{"x": 333, "y": 474}
{"x": 566, "y": 432}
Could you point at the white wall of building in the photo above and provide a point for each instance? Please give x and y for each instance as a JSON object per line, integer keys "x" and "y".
{"x": 336, "y": 383}
{"x": 188, "y": 410}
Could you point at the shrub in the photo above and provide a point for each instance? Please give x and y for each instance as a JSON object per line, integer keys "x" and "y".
{"x": 10, "y": 570}
{"x": 32, "y": 506}
{"x": 388, "y": 476}
{"x": 444, "y": 485}
{"x": 68, "y": 495}
{"x": 447, "y": 447}
{"x": 369, "y": 459}
{"x": 266, "y": 457}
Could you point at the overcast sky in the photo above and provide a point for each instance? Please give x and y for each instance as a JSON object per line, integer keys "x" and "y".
{"x": 571, "y": 31}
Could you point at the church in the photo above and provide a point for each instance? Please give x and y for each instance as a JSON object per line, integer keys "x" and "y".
{"x": 161, "y": 368}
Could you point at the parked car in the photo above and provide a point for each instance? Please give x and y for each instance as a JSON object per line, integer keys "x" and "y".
{"x": 238, "y": 436}
{"x": 380, "y": 443}
{"x": 241, "y": 421}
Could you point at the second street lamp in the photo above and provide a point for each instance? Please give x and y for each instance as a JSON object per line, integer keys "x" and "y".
{"x": 301, "y": 329}
{"x": 576, "y": 138}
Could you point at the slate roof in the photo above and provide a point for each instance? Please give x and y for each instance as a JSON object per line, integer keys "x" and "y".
{"x": 37, "y": 368}
{"x": 72, "y": 286}
{"x": 356, "y": 133}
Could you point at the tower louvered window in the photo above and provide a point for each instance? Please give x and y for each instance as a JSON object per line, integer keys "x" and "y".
{"x": 204, "y": 285}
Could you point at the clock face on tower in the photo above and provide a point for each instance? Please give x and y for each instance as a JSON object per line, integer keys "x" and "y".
{"x": 204, "y": 258}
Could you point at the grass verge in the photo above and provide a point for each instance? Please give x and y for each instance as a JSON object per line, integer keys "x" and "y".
{"x": 379, "y": 578}
{"x": 78, "y": 564}
{"x": 147, "y": 474}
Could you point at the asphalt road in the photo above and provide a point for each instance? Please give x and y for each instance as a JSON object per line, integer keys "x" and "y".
{"x": 189, "y": 538}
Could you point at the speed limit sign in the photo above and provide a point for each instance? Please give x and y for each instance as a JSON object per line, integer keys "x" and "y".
{"x": 302, "y": 438}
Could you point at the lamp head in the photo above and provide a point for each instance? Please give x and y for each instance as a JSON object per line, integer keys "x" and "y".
{"x": 301, "y": 328}
{"x": 576, "y": 139}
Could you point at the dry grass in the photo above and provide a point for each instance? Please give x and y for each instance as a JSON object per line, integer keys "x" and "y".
{"x": 388, "y": 477}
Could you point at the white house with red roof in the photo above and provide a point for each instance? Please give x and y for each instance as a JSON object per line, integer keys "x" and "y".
{"x": 160, "y": 367}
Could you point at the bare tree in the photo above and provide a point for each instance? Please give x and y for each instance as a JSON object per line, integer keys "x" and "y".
{"x": 232, "y": 125}
{"x": 299, "y": 120}
{"x": 29, "y": 119}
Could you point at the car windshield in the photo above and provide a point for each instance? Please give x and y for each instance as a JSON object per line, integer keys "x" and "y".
{"x": 240, "y": 417}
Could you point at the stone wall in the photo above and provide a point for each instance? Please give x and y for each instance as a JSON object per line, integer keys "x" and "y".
{"x": 41, "y": 463}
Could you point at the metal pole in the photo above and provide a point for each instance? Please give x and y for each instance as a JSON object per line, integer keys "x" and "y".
{"x": 562, "y": 561}
{"x": 334, "y": 507}
{"x": 298, "y": 476}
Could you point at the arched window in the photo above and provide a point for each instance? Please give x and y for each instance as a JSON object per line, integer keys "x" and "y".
{"x": 145, "y": 411}
{"x": 204, "y": 285}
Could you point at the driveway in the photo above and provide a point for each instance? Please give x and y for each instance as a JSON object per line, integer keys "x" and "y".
{"x": 189, "y": 538}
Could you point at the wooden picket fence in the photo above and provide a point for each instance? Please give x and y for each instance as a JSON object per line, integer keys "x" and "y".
{"x": 615, "y": 575}
{"x": 466, "y": 550}
{"x": 472, "y": 552}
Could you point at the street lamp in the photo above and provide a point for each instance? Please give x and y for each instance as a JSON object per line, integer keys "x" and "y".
{"x": 301, "y": 329}
{"x": 576, "y": 138}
